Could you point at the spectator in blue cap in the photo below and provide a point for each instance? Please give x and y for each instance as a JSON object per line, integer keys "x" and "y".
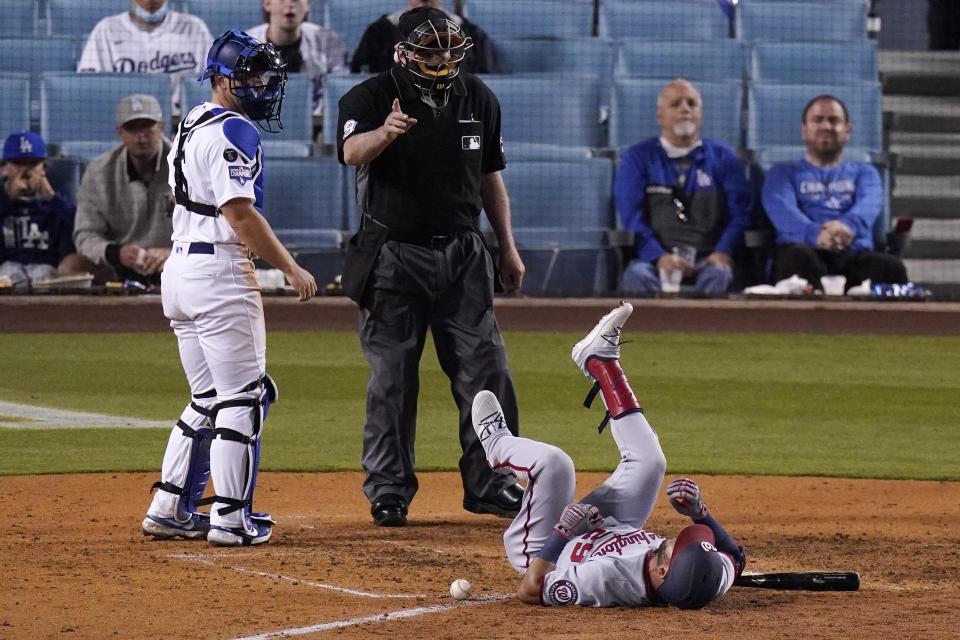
{"x": 36, "y": 222}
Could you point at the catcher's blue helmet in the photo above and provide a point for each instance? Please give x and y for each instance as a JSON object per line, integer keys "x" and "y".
{"x": 257, "y": 75}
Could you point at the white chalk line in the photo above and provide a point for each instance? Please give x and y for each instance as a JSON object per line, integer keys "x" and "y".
{"x": 28, "y": 416}
{"x": 217, "y": 561}
{"x": 380, "y": 617}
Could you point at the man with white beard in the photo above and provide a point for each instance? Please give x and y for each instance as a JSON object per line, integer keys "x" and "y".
{"x": 680, "y": 193}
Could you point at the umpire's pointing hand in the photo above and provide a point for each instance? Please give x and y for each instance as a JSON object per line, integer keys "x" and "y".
{"x": 397, "y": 122}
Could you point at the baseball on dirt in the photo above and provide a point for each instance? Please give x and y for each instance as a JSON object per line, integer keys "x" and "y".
{"x": 461, "y": 589}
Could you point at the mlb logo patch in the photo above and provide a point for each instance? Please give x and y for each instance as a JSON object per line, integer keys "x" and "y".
{"x": 470, "y": 143}
{"x": 241, "y": 174}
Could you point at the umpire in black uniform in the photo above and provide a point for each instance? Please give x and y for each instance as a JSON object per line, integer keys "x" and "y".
{"x": 425, "y": 139}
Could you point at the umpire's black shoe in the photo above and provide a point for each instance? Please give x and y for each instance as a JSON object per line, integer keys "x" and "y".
{"x": 505, "y": 504}
{"x": 389, "y": 510}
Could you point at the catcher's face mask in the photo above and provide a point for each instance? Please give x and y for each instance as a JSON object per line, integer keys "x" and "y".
{"x": 431, "y": 54}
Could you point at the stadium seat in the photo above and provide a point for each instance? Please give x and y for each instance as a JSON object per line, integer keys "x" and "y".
{"x": 20, "y": 18}
{"x": 296, "y": 114}
{"x": 64, "y": 175}
{"x": 711, "y": 60}
{"x": 532, "y": 18}
{"x": 563, "y": 109}
{"x": 40, "y": 53}
{"x": 14, "y": 103}
{"x": 801, "y": 21}
{"x": 350, "y": 18}
{"x": 662, "y": 20}
{"x": 82, "y": 106}
{"x": 303, "y": 197}
{"x": 557, "y": 55}
{"x": 566, "y": 271}
{"x": 535, "y": 151}
{"x": 77, "y": 18}
{"x": 87, "y": 150}
{"x": 222, "y": 16}
{"x": 633, "y": 113}
{"x": 334, "y": 88}
{"x": 572, "y": 195}
{"x": 814, "y": 62}
{"x": 774, "y": 112}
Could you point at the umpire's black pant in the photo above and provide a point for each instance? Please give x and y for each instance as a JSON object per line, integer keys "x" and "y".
{"x": 448, "y": 288}
{"x": 812, "y": 263}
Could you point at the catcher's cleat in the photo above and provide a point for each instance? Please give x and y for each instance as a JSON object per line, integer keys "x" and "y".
{"x": 487, "y": 416}
{"x": 257, "y": 532}
{"x": 603, "y": 341}
{"x": 195, "y": 528}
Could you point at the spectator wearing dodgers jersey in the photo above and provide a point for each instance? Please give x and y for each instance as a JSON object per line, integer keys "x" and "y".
{"x": 149, "y": 38}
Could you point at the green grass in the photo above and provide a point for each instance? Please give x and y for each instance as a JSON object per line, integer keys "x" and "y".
{"x": 851, "y": 406}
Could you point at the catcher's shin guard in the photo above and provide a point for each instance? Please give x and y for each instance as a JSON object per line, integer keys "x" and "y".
{"x": 235, "y": 455}
{"x": 186, "y": 461}
{"x": 612, "y": 383}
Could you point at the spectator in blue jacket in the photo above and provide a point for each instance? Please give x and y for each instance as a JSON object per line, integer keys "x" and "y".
{"x": 824, "y": 208}
{"x": 681, "y": 190}
{"x": 36, "y": 222}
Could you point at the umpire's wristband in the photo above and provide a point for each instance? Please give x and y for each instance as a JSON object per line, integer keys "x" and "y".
{"x": 552, "y": 547}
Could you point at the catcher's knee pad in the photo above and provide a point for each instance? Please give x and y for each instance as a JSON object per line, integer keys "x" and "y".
{"x": 186, "y": 462}
{"x": 235, "y": 453}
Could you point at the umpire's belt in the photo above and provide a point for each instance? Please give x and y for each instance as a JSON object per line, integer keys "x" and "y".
{"x": 423, "y": 240}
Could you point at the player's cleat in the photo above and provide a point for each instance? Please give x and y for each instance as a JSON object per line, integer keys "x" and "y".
{"x": 258, "y": 532}
{"x": 487, "y": 416}
{"x": 195, "y": 528}
{"x": 389, "y": 510}
{"x": 603, "y": 341}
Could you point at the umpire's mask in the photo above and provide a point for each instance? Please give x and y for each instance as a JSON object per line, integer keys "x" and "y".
{"x": 432, "y": 52}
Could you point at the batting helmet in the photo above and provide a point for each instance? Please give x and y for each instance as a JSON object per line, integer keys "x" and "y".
{"x": 696, "y": 570}
{"x": 257, "y": 75}
{"x": 434, "y": 48}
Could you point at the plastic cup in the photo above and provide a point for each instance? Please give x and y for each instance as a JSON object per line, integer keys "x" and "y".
{"x": 834, "y": 285}
{"x": 670, "y": 280}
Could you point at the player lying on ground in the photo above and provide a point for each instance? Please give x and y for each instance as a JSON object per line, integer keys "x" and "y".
{"x": 596, "y": 552}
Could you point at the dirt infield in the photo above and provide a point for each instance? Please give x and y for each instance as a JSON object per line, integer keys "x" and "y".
{"x": 76, "y": 566}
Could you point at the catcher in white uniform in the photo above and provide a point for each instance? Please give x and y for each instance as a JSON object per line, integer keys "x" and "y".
{"x": 212, "y": 299}
{"x": 596, "y": 552}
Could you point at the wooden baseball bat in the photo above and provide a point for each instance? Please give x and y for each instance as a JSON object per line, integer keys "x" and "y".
{"x": 802, "y": 581}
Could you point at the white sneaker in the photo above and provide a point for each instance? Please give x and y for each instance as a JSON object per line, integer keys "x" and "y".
{"x": 487, "y": 416}
{"x": 604, "y": 340}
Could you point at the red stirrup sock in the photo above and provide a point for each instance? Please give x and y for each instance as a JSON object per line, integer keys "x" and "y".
{"x": 613, "y": 383}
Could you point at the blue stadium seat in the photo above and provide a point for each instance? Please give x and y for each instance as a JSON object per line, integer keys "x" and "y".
{"x": 40, "y": 53}
{"x": 296, "y": 113}
{"x": 562, "y": 214}
{"x": 87, "y": 150}
{"x": 221, "y": 16}
{"x": 303, "y": 200}
{"x": 64, "y": 175}
{"x": 14, "y": 103}
{"x": 20, "y": 18}
{"x": 551, "y": 108}
{"x": 662, "y": 20}
{"x": 710, "y": 60}
{"x": 801, "y": 21}
{"x": 557, "y": 55}
{"x": 633, "y": 113}
{"x": 571, "y": 195}
{"x": 814, "y": 62}
{"x": 78, "y": 17}
{"x": 536, "y": 151}
{"x": 334, "y": 88}
{"x": 774, "y": 112}
{"x": 532, "y": 18}
{"x": 83, "y": 106}
{"x": 350, "y": 18}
